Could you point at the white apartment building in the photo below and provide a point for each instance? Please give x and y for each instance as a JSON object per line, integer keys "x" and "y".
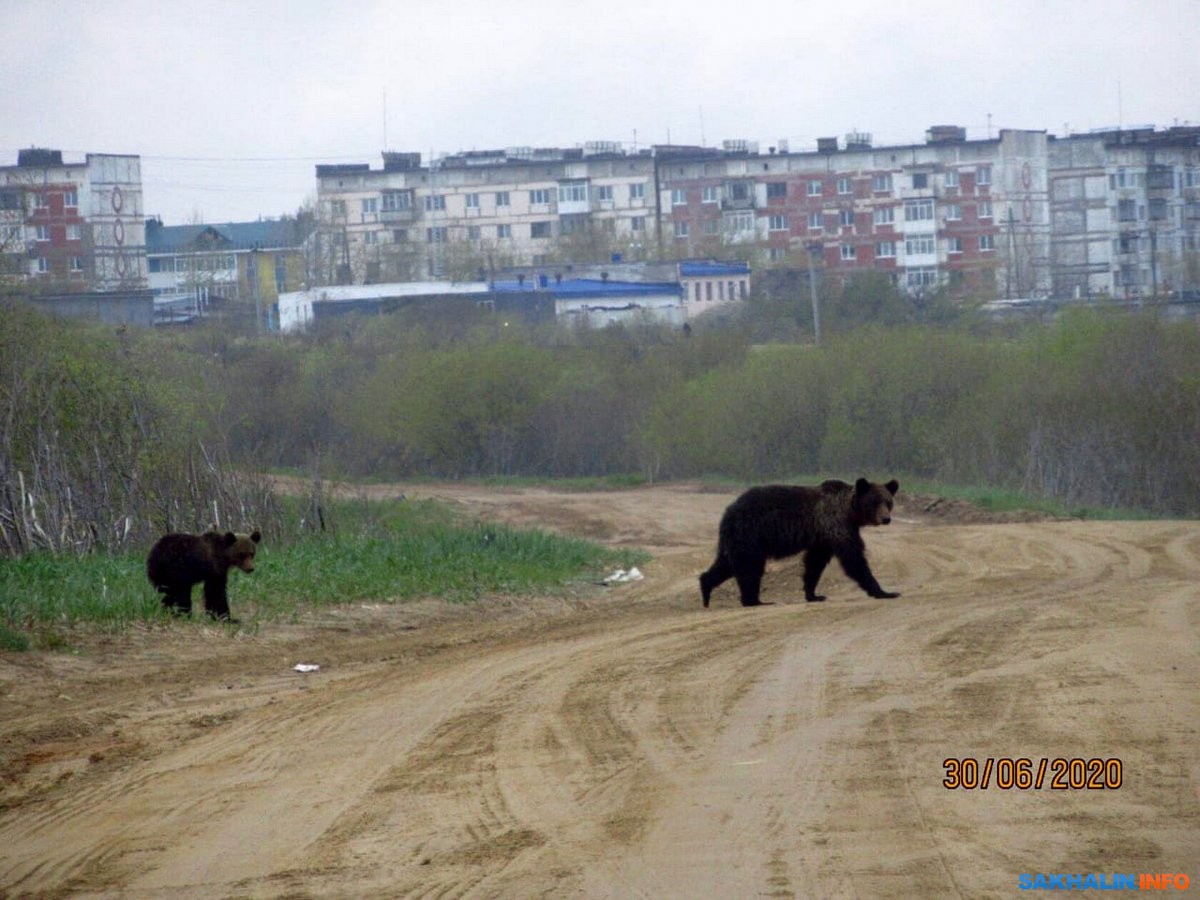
{"x": 407, "y": 221}
{"x": 1126, "y": 213}
{"x": 76, "y": 225}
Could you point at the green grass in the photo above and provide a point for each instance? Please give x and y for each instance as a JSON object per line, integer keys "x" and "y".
{"x": 388, "y": 551}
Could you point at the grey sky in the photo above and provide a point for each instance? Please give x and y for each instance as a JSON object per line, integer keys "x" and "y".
{"x": 231, "y": 104}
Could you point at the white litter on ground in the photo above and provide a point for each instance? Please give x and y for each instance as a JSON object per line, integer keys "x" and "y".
{"x": 621, "y": 576}
{"x": 306, "y": 667}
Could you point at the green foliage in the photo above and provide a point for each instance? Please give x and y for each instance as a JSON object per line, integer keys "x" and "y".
{"x": 388, "y": 552}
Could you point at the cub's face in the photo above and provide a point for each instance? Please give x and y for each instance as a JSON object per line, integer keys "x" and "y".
{"x": 240, "y": 549}
{"x": 873, "y": 502}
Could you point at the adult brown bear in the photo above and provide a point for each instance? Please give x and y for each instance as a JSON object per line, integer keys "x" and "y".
{"x": 779, "y": 520}
{"x": 178, "y": 561}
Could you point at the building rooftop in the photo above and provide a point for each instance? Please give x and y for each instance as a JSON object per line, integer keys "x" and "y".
{"x": 274, "y": 234}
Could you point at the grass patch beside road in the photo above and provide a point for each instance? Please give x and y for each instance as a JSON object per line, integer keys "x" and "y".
{"x": 383, "y": 551}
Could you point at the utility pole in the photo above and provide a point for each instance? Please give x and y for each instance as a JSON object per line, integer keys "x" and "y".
{"x": 814, "y": 247}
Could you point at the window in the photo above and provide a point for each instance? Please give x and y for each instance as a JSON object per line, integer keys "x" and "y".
{"x": 845, "y": 186}
{"x": 371, "y": 237}
{"x": 987, "y": 242}
{"x": 474, "y": 232}
{"x": 501, "y": 198}
{"x": 573, "y": 192}
{"x": 1158, "y": 209}
{"x": 604, "y": 193}
{"x": 777, "y": 254}
{"x": 435, "y": 235}
{"x": 953, "y": 212}
{"x": 816, "y": 221}
{"x": 396, "y": 201}
{"x": 435, "y": 202}
{"x": 43, "y": 232}
{"x": 882, "y": 184}
{"x": 742, "y": 222}
{"x": 698, "y": 287}
{"x": 1126, "y": 211}
{"x": 637, "y": 224}
{"x": 399, "y": 235}
{"x": 920, "y": 277}
{"x": 984, "y": 175}
{"x": 952, "y": 178}
{"x": 539, "y": 197}
{"x": 885, "y": 249}
{"x": 39, "y": 204}
{"x": 681, "y": 229}
{"x": 43, "y": 265}
{"x": 920, "y": 180}
{"x": 709, "y": 194}
{"x": 637, "y": 191}
{"x": 539, "y": 230}
{"x": 503, "y": 232}
{"x": 712, "y": 226}
{"x": 920, "y": 245}
{"x": 985, "y": 209}
{"x": 849, "y": 252}
{"x": 814, "y": 189}
{"x": 337, "y": 207}
{"x": 71, "y": 198}
{"x": 918, "y": 211}
{"x": 954, "y": 245}
{"x": 885, "y": 215}
{"x": 472, "y": 201}
{"x": 76, "y": 264}
{"x": 776, "y": 190}
{"x": 370, "y": 205}
{"x": 846, "y": 218}
{"x": 678, "y": 197}
{"x": 73, "y": 232}
{"x": 777, "y": 223}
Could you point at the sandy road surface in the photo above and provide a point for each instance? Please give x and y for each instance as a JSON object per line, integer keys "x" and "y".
{"x": 627, "y": 743}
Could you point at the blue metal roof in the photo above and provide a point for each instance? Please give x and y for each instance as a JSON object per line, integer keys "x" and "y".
{"x": 269, "y": 235}
{"x": 702, "y": 268}
{"x": 593, "y": 287}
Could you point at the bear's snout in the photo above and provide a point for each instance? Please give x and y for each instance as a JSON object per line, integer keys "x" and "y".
{"x": 885, "y": 520}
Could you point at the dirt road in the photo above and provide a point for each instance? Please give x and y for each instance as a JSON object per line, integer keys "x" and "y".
{"x": 624, "y": 742}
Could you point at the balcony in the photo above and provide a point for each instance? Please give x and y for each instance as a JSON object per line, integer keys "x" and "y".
{"x": 397, "y": 216}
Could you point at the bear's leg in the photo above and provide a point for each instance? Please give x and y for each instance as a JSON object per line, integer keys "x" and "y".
{"x": 718, "y": 573}
{"x": 216, "y": 601}
{"x": 749, "y": 575}
{"x": 854, "y": 564}
{"x": 177, "y": 599}
{"x": 815, "y": 561}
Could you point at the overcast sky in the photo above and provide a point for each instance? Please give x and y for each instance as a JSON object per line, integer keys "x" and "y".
{"x": 232, "y": 104}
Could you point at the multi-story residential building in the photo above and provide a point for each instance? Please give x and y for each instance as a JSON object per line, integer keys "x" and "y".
{"x": 1126, "y": 213}
{"x": 73, "y": 226}
{"x": 497, "y": 208}
{"x": 1019, "y": 215}
{"x": 970, "y": 214}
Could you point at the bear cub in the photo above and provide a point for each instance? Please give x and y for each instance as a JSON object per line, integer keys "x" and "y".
{"x": 178, "y": 561}
{"x": 779, "y": 520}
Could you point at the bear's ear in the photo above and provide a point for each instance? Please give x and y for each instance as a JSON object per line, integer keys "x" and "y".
{"x": 893, "y": 486}
{"x": 861, "y": 486}
{"x": 256, "y": 535}
{"x": 230, "y": 539}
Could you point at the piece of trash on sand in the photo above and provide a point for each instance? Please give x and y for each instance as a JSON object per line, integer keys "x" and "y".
{"x": 306, "y": 667}
{"x": 621, "y": 576}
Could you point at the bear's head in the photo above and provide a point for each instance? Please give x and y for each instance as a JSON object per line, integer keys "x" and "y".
{"x": 240, "y": 549}
{"x": 873, "y": 502}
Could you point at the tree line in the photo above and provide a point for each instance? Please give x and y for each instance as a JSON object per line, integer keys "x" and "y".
{"x": 110, "y": 437}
